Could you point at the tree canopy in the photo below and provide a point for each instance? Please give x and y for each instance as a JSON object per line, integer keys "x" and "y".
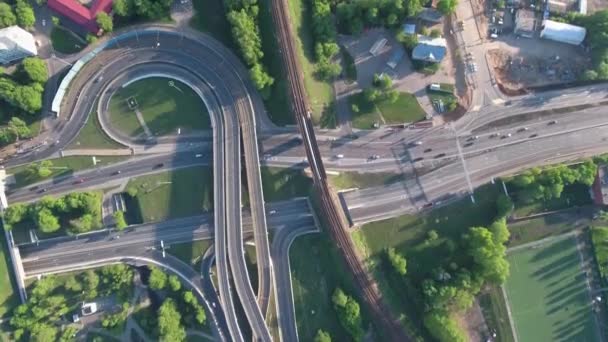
{"x": 169, "y": 324}
{"x": 7, "y": 17}
{"x": 104, "y": 21}
{"x": 397, "y": 261}
{"x": 25, "y": 14}
{"x": 349, "y": 314}
{"x": 34, "y": 69}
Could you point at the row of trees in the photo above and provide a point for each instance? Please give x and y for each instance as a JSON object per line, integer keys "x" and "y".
{"x": 597, "y": 31}
{"x": 21, "y": 14}
{"x": 353, "y": 16}
{"x": 15, "y": 129}
{"x": 546, "y": 184}
{"x": 243, "y": 17}
{"x": 324, "y": 34}
{"x": 53, "y": 297}
{"x": 80, "y": 210}
{"x": 349, "y": 314}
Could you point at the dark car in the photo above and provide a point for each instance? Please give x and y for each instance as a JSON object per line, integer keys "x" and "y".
{"x": 428, "y": 150}
{"x": 533, "y": 135}
{"x": 34, "y": 188}
{"x": 468, "y": 144}
{"x": 417, "y": 159}
{"x": 159, "y": 165}
{"x": 552, "y": 122}
{"x": 440, "y": 155}
{"x": 116, "y": 172}
{"x": 79, "y": 181}
{"x": 43, "y": 190}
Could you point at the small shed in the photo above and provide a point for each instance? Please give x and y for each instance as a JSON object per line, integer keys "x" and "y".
{"x": 563, "y": 33}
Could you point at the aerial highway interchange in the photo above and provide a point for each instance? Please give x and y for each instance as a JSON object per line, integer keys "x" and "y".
{"x": 436, "y": 166}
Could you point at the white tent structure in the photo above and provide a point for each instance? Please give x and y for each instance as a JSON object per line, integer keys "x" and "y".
{"x": 16, "y": 43}
{"x": 563, "y": 33}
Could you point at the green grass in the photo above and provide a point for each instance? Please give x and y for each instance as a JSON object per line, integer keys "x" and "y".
{"x": 549, "y": 225}
{"x": 164, "y": 108}
{"x": 313, "y": 284}
{"x": 405, "y": 109}
{"x": 65, "y": 41}
{"x": 61, "y": 167}
{"x": 320, "y": 93}
{"x": 494, "y": 309}
{"x": 281, "y": 184}
{"x": 599, "y": 236}
{"x": 367, "y": 115}
{"x": 92, "y": 136}
{"x": 190, "y": 252}
{"x": 277, "y": 103}
{"x": 349, "y": 180}
{"x": 573, "y": 195}
{"x": 547, "y": 294}
{"x": 190, "y": 192}
{"x": 209, "y": 16}
{"x": 9, "y": 298}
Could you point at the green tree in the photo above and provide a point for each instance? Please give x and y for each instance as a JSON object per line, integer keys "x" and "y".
{"x": 41, "y": 169}
{"x": 322, "y": 336}
{"x": 14, "y": 214}
{"x": 90, "y": 283}
{"x": 349, "y": 314}
{"x": 447, "y": 7}
{"x": 432, "y": 235}
{"x": 7, "y": 17}
{"x": 504, "y": 205}
{"x": 397, "y": 261}
{"x": 55, "y": 20}
{"x": 383, "y": 82}
{"x": 158, "y": 278}
{"x": 122, "y": 8}
{"x": 119, "y": 218}
{"x": 117, "y": 319}
{"x": 73, "y": 284}
{"x": 104, "y": 21}
{"x": 116, "y": 278}
{"x": 34, "y": 69}
{"x": 25, "y": 14}
{"x": 174, "y": 283}
{"x": 46, "y": 222}
{"x": 169, "y": 322}
{"x": 68, "y": 334}
{"x": 43, "y": 333}
{"x": 19, "y": 127}
{"x": 443, "y": 328}
{"x": 488, "y": 255}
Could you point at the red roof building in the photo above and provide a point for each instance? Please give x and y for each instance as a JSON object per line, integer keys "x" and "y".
{"x": 79, "y": 14}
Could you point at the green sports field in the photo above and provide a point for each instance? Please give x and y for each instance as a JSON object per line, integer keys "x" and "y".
{"x": 547, "y": 294}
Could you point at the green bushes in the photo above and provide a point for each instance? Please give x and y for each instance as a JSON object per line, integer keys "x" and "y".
{"x": 349, "y": 314}
{"x": 243, "y": 17}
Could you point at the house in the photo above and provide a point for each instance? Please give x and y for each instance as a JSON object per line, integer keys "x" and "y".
{"x": 563, "y": 33}
{"x": 525, "y": 23}
{"x": 429, "y": 49}
{"x": 15, "y": 44}
{"x": 79, "y": 14}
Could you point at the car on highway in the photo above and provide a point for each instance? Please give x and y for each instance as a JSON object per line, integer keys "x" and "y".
{"x": 416, "y": 143}
{"x": 339, "y": 156}
{"x": 117, "y": 172}
{"x": 43, "y": 190}
{"x": 470, "y": 143}
{"x": 494, "y": 135}
{"x": 552, "y": 122}
{"x": 159, "y": 165}
{"x": 533, "y": 135}
{"x": 374, "y": 157}
{"x": 523, "y": 129}
{"x": 428, "y": 150}
{"x": 34, "y": 188}
{"x": 272, "y": 212}
{"x": 79, "y": 181}
{"x": 473, "y": 137}
{"x": 440, "y": 155}
{"x": 417, "y": 159}
{"x": 198, "y": 156}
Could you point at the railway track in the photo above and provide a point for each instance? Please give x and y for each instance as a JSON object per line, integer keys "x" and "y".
{"x": 338, "y": 231}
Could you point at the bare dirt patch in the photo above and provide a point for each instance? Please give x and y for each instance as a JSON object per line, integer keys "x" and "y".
{"x": 515, "y": 71}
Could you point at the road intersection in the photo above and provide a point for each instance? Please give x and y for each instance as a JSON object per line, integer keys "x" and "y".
{"x": 497, "y": 139}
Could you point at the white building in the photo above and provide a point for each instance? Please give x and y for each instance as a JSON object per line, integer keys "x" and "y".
{"x": 16, "y": 43}
{"x": 563, "y": 33}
